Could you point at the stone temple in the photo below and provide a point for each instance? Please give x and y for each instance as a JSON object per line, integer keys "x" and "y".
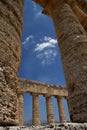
{"x": 70, "y": 22}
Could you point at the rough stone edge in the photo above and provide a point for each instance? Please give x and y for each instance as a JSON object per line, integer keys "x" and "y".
{"x": 56, "y": 126}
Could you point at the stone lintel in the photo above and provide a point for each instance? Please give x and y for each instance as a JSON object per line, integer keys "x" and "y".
{"x": 32, "y": 87}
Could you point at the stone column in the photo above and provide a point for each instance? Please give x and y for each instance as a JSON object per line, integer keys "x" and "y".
{"x": 17, "y": 110}
{"x": 62, "y": 116}
{"x": 72, "y": 40}
{"x": 20, "y": 113}
{"x": 35, "y": 110}
{"x": 50, "y": 115}
{"x": 11, "y": 13}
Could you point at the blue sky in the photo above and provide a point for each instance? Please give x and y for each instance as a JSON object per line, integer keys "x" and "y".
{"x": 41, "y": 59}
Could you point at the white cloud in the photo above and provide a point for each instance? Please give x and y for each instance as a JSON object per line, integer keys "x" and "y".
{"x": 40, "y": 56}
{"x": 47, "y": 42}
{"x": 50, "y": 53}
{"x": 44, "y": 50}
{"x": 43, "y": 62}
{"x": 36, "y": 10}
{"x": 47, "y": 38}
{"x": 38, "y": 14}
{"x": 27, "y": 39}
{"x": 47, "y": 56}
{"x": 40, "y": 47}
{"x": 35, "y": 6}
{"x": 53, "y": 41}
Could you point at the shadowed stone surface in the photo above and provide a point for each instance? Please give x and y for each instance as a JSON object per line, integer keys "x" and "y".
{"x": 70, "y": 21}
{"x": 72, "y": 40}
{"x": 11, "y": 14}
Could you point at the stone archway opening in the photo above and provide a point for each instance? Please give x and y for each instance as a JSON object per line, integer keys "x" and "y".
{"x": 71, "y": 29}
{"x": 47, "y": 70}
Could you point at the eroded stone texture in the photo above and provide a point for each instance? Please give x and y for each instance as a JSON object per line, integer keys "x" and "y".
{"x": 70, "y": 21}
{"x": 27, "y": 86}
{"x": 73, "y": 46}
{"x": 62, "y": 115}
{"x": 20, "y": 109}
{"x": 66, "y": 126}
{"x": 35, "y": 110}
{"x": 49, "y": 108}
{"x": 11, "y": 13}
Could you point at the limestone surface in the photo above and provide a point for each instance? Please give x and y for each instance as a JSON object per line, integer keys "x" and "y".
{"x": 11, "y": 14}
{"x": 66, "y": 126}
{"x": 70, "y": 22}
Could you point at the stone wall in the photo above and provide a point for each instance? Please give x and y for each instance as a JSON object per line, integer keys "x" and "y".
{"x": 67, "y": 126}
{"x": 11, "y": 14}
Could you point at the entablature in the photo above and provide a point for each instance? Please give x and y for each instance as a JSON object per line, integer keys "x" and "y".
{"x": 27, "y": 86}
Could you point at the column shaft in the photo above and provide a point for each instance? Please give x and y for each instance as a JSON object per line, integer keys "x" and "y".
{"x": 35, "y": 111}
{"x": 50, "y": 115}
{"x": 62, "y": 116}
{"x": 20, "y": 112}
{"x": 17, "y": 110}
{"x": 72, "y": 39}
{"x": 11, "y": 14}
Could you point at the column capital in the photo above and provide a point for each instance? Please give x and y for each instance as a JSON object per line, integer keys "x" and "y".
{"x": 20, "y": 94}
{"x": 71, "y": 2}
{"x": 47, "y": 95}
{"x": 58, "y": 97}
{"x": 34, "y": 94}
{"x": 66, "y": 98}
{"x": 51, "y": 5}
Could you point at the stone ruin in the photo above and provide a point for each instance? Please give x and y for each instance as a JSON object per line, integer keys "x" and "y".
{"x": 70, "y": 22}
{"x": 35, "y": 89}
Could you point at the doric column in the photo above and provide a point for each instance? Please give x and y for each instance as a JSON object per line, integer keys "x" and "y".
{"x": 20, "y": 105}
{"x": 17, "y": 110}
{"x": 62, "y": 116}
{"x": 11, "y": 14}
{"x": 50, "y": 115}
{"x": 35, "y": 110}
{"x": 72, "y": 40}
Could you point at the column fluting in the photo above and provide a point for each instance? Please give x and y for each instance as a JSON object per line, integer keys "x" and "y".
{"x": 35, "y": 110}
{"x": 49, "y": 108}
